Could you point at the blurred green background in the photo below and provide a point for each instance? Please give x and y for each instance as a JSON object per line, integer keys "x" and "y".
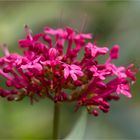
{"x": 111, "y": 22}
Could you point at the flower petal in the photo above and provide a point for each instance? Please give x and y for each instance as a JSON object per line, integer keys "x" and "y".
{"x": 66, "y": 72}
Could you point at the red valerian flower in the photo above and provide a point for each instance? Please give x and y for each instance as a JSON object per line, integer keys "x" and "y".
{"x": 72, "y": 70}
{"x": 49, "y": 67}
{"x": 96, "y": 50}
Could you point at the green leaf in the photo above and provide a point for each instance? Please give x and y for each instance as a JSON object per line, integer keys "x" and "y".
{"x": 79, "y": 128}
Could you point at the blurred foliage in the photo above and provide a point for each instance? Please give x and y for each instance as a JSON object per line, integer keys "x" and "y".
{"x": 111, "y": 22}
{"x": 79, "y": 128}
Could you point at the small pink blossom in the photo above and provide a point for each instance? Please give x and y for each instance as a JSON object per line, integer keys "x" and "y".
{"x": 100, "y": 73}
{"x": 72, "y": 70}
{"x": 118, "y": 71}
{"x": 96, "y": 50}
{"x": 56, "y": 32}
{"x": 124, "y": 89}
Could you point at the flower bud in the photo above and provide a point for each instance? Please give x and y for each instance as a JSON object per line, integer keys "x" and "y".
{"x": 114, "y": 53}
{"x": 52, "y": 53}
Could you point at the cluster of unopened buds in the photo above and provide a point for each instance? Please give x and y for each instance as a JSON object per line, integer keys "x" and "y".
{"x": 63, "y": 66}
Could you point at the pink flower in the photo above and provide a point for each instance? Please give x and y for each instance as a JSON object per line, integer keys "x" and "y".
{"x": 32, "y": 65}
{"x": 118, "y": 71}
{"x": 124, "y": 89}
{"x": 100, "y": 73}
{"x": 94, "y": 50}
{"x": 54, "y": 59}
{"x": 56, "y": 32}
{"x": 73, "y": 71}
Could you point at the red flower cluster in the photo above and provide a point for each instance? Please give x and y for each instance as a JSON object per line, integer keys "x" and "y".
{"x": 50, "y": 66}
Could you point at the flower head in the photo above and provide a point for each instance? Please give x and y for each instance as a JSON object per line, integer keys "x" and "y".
{"x": 46, "y": 70}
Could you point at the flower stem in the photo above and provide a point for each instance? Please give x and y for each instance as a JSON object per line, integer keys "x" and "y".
{"x": 56, "y": 120}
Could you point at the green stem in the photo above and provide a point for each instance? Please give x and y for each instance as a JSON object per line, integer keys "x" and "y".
{"x": 56, "y": 121}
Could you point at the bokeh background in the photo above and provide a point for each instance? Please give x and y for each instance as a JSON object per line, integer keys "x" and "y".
{"x": 111, "y": 22}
